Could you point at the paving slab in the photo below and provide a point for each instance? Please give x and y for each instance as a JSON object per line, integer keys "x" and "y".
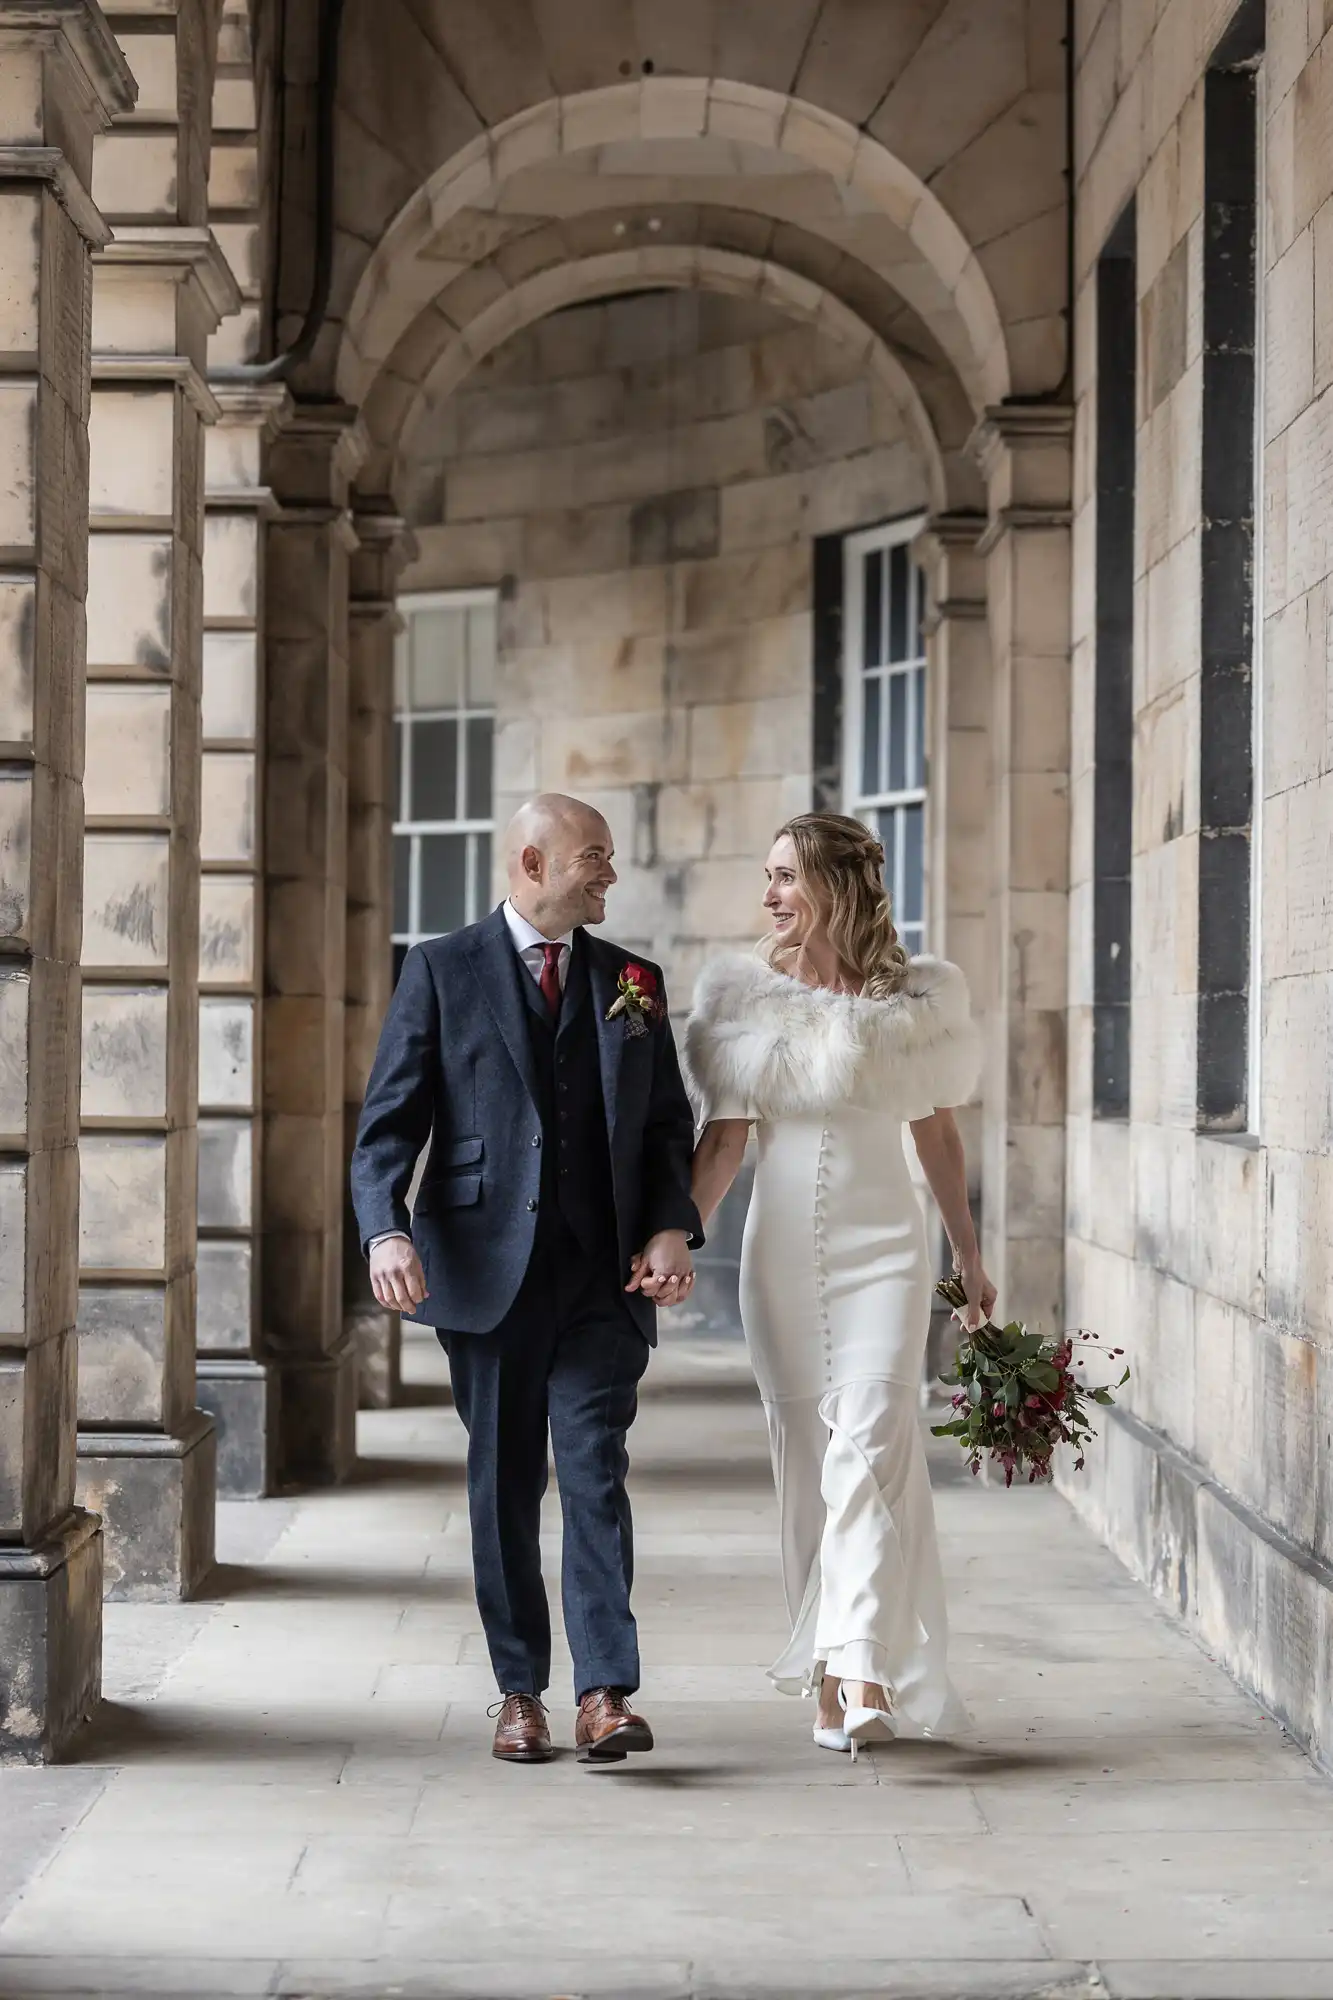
{"x": 292, "y": 1792}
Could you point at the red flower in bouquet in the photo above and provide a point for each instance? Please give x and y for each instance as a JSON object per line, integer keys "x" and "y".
{"x": 637, "y": 998}
{"x": 1018, "y": 1396}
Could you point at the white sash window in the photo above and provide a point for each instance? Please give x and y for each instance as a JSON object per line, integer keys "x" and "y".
{"x": 884, "y": 661}
{"x": 444, "y": 717}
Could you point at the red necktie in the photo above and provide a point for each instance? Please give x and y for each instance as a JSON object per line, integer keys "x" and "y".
{"x": 550, "y": 979}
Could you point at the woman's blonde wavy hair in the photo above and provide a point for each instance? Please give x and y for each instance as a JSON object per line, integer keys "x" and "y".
{"x": 841, "y": 866}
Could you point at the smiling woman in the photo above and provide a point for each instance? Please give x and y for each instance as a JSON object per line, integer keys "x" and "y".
{"x": 827, "y": 1050}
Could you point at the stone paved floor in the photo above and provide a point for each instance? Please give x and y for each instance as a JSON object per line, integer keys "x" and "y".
{"x": 291, "y": 1791}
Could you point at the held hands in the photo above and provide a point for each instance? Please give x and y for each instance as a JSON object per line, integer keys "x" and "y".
{"x": 664, "y": 1269}
{"x": 396, "y": 1276}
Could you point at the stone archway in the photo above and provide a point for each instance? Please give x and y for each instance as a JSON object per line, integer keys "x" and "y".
{"x": 669, "y": 140}
{"x": 390, "y": 416}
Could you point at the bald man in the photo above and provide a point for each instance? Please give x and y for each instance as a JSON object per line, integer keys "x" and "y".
{"x": 553, "y": 1218}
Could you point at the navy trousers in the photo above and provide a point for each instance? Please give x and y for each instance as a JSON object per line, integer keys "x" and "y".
{"x": 565, "y": 1364}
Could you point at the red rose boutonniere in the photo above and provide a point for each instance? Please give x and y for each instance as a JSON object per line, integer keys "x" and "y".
{"x": 637, "y": 999}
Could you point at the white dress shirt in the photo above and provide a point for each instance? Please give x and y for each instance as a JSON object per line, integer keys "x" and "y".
{"x": 528, "y": 942}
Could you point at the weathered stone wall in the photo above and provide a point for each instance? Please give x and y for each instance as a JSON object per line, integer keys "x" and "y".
{"x": 643, "y": 480}
{"x": 1212, "y": 1256}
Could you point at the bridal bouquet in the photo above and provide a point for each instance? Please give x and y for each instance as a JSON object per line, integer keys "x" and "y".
{"x": 1018, "y": 1396}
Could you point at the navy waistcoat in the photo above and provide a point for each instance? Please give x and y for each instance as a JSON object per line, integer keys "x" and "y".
{"x": 576, "y": 1158}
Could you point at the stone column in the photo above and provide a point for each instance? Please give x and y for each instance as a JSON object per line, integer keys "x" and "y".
{"x": 147, "y": 1453}
{"x": 957, "y": 829}
{"x": 385, "y": 545}
{"x": 1024, "y": 451}
{"x": 236, "y": 1383}
{"x": 958, "y": 685}
{"x": 160, "y": 289}
{"x": 63, "y": 79}
{"x": 305, "y": 923}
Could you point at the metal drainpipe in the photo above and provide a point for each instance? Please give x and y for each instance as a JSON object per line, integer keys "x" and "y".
{"x": 326, "y": 91}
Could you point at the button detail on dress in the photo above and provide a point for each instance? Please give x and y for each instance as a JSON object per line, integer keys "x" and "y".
{"x": 532, "y": 1208}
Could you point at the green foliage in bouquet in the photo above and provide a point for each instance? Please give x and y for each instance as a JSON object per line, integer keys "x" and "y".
{"x": 1017, "y": 1395}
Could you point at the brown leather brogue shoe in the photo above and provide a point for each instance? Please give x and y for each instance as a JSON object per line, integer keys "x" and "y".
{"x": 607, "y": 1728}
{"x": 522, "y": 1735}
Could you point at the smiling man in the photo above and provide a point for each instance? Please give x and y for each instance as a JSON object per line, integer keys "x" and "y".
{"x": 553, "y": 1218}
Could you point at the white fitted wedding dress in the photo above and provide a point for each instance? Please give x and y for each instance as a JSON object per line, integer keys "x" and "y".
{"x": 835, "y": 1299}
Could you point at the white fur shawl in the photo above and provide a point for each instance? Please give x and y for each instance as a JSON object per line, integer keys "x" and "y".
{"x": 759, "y": 1040}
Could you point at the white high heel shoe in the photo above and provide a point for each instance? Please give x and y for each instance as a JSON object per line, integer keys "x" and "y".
{"x": 865, "y": 1725}
{"x": 828, "y": 1739}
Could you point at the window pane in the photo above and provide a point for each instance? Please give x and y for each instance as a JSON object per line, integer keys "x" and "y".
{"x": 898, "y": 606}
{"x": 913, "y": 899}
{"x": 918, "y": 612}
{"x": 396, "y": 798}
{"x": 400, "y": 651}
{"x": 888, "y": 828}
{"x": 438, "y": 641}
{"x": 402, "y": 864}
{"x": 480, "y": 732}
{"x": 399, "y": 954}
{"x": 897, "y": 733}
{"x": 873, "y": 575}
{"x": 481, "y": 656}
{"x": 870, "y": 737}
{"x": 481, "y": 880}
{"x": 434, "y": 770}
{"x": 918, "y": 775}
{"x": 443, "y": 897}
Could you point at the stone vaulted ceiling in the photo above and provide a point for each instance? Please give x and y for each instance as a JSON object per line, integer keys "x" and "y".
{"x": 896, "y": 164}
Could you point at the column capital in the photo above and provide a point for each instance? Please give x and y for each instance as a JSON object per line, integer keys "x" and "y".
{"x": 179, "y": 253}
{"x": 151, "y": 371}
{"x": 386, "y": 544}
{"x": 250, "y": 415}
{"x": 956, "y": 528}
{"x": 948, "y": 548}
{"x": 317, "y": 454}
{"x": 76, "y": 32}
{"x": 263, "y": 406}
{"x": 65, "y": 80}
{"x": 1024, "y": 451}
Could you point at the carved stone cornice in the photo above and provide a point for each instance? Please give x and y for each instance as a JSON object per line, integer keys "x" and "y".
{"x": 949, "y": 550}
{"x": 149, "y": 371}
{"x": 90, "y": 52}
{"x": 387, "y": 545}
{"x": 179, "y": 252}
{"x": 48, "y": 166}
{"x": 315, "y": 457}
{"x": 1024, "y": 451}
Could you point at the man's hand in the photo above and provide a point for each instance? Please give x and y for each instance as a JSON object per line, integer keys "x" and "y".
{"x": 664, "y": 1269}
{"x": 396, "y": 1276}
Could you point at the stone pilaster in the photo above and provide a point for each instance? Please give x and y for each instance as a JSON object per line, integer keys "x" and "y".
{"x": 63, "y": 80}
{"x": 310, "y": 543}
{"x": 1024, "y": 451}
{"x": 160, "y": 288}
{"x": 958, "y": 683}
{"x": 236, "y": 1383}
{"x": 233, "y": 184}
{"x": 386, "y": 544}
